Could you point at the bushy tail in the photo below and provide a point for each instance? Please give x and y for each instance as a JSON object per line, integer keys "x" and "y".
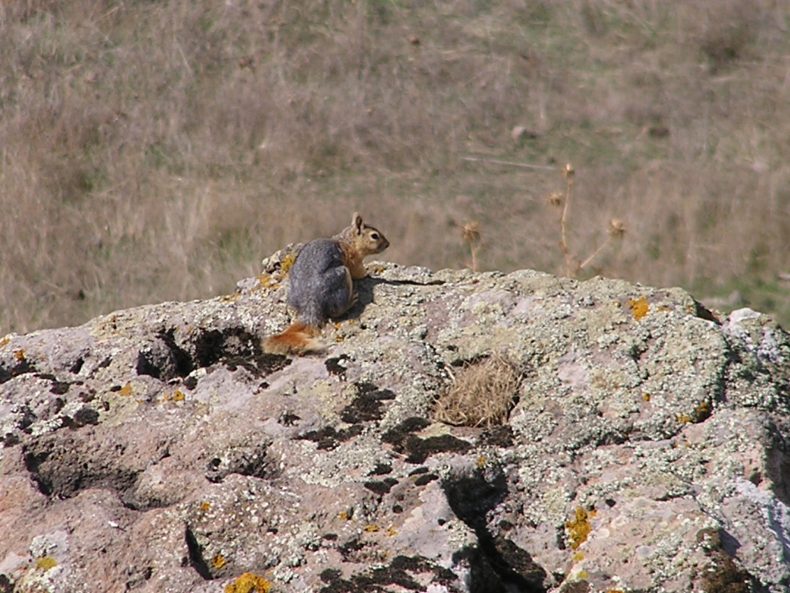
{"x": 298, "y": 338}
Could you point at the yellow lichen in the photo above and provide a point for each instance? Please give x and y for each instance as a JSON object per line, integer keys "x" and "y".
{"x": 5, "y": 341}
{"x": 249, "y": 583}
{"x": 266, "y": 281}
{"x": 46, "y": 563}
{"x": 344, "y": 516}
{"x": 19, "y": 355}
{"x": 482, "y": 460}
{"x": 287, "y": 263}
{"x": 372, "y": 528}
{"x": 176, "y": 396}
{"x": 391, "y": 531}
{"x": 126, "y": 390}
{"x": 646, "y": 397}
{"x": 702, "y": 411}
{"x": 639, "y": 307}
{"x": 578, "y": 556}
{"x": 205, "y": 506}
{"x": 218, "y": 562}
{"x": 579, "y": 527}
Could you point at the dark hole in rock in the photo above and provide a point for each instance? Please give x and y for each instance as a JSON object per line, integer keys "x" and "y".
{"x": 195, "y": 555}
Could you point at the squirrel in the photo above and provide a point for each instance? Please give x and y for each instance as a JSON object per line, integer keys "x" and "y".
{"x": 320, "y": 284}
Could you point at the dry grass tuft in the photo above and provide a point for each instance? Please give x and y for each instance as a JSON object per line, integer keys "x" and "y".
{"x": 482, "y": 393}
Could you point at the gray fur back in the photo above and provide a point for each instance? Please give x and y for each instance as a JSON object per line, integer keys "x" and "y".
{"x": 314, "y": 281}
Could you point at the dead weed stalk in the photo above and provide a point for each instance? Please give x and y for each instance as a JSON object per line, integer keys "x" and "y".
{"x": 616, "y": 229}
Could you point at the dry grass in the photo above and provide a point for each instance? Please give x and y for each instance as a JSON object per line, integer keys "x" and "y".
{"x": 154, "y": 151}
{"x": 482, "y": 393}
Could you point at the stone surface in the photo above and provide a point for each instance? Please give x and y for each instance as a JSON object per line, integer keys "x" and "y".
{"x": 157, "y": 448}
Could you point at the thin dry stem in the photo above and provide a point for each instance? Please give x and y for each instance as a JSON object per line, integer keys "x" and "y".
{"x": 471, "y": 236}
{"x": 476, "y": 159}
{"x": 595, "y": 253}
{"x": 571, "y": 266}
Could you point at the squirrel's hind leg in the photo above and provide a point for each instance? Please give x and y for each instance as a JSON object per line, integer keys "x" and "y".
{"x": 341, "y": 295}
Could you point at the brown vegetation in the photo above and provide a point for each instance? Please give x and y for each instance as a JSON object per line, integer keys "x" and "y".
{"x": 482, "y": 393}
{"x": 157, "y": 150}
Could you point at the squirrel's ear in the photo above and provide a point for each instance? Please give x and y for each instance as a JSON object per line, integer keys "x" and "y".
{"x": 356, "y": 222}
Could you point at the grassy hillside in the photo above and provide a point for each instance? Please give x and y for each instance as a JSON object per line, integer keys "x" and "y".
{"x": 157, "y": 150}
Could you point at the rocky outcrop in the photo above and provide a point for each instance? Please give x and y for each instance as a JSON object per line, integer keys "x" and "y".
{"x": 641, "y": 444}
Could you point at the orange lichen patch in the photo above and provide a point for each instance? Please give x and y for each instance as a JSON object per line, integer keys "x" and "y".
{"x": 19, "y": 355}
{"x": 482, "y": 461}
{"x": 249, "y": 583}
{"x": 639, "y": 307}
{"x": 701, "y": 413}
{"x": 646, "y": 397}
{"x": 579, "y": 527}
{"x": 372, "y": 528}
{"x": 175, "y": 396}
{"x": 218, "y": 562}
{"x": 46, "y": 563}
{"x": 126, "y": 390}
{"x": 205, "y": 506}
{"x": 344, "y": 516}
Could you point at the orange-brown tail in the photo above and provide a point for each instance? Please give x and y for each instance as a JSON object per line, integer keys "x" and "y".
{"x": 296, "y": 339}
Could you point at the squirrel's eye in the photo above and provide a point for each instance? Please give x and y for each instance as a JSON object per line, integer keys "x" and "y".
{"x": 374, "y": 236}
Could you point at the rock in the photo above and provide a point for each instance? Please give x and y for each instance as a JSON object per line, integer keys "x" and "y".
{"x": 158, "y": 449}
{"x": 522, "y": 133}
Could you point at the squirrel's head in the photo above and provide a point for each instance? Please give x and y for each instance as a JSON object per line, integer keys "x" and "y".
{"x": 367, "y": 239}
